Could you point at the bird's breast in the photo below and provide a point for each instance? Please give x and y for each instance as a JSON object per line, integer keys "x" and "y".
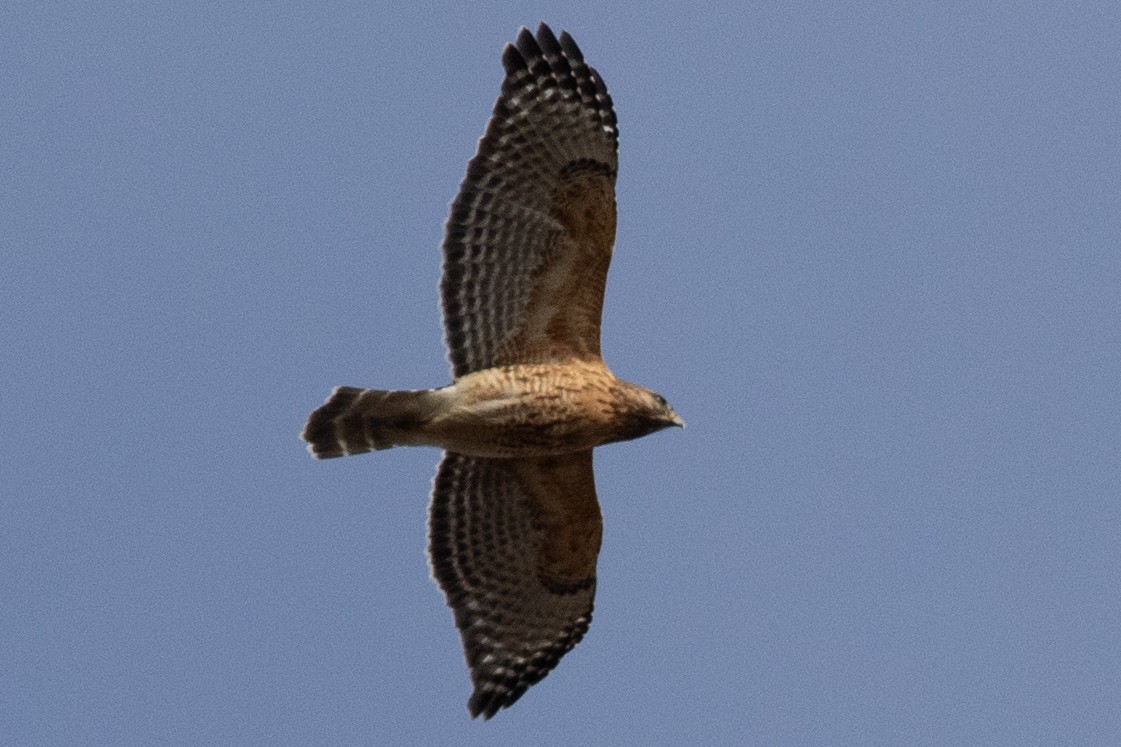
{"x": 529, "y": 410}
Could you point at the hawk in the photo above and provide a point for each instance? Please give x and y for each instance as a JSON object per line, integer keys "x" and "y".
{"x": 514, "y": 524}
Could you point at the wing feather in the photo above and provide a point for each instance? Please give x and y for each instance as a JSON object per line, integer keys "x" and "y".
{"x": 530, "y": 234}
{"x": 513, "y": 544}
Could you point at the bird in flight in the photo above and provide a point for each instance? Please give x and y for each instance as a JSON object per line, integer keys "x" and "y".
{"x": 514, "y": 523}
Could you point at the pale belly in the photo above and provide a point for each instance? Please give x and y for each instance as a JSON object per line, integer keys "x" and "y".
{"x": 528, "y": 411}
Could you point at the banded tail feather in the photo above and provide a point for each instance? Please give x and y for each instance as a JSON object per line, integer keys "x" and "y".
{"x": 356, "y": 421}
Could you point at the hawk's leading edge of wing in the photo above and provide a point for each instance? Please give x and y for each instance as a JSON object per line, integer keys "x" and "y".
{"x": 529, "y": 237}
{"x": 513, "y": 544}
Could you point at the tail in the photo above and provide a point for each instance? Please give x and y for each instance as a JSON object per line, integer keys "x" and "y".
{"x": 355, "y": 421}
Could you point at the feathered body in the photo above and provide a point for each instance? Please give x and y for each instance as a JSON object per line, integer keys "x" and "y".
{"x": 514, "y": 523}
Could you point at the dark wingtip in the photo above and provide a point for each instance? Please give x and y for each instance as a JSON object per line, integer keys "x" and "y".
{"x": 568, "y": 44}
{"x": 486, "y": 703}
{"x": 546, "y": 40}
{"x": 527, "y": 45}
{"x": 512, "y": 59}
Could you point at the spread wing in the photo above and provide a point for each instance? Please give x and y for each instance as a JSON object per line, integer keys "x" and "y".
{"x": 513, "y": 544}
{"x": 529, "y": 238}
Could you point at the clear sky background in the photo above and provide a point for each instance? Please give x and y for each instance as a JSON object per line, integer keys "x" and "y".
{"x": 871, "y": 252}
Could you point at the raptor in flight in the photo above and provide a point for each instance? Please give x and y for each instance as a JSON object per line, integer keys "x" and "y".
{"x": 514, "y": 524}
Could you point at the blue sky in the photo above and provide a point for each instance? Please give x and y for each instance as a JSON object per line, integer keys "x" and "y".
{"x": 870, "y": 252}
